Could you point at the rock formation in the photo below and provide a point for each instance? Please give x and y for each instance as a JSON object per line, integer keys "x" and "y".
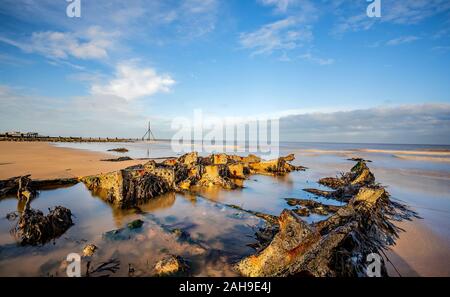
{"x": 337, "y": 246}
{"x": 33, "y": 228}
{"x": 137, "y": 184}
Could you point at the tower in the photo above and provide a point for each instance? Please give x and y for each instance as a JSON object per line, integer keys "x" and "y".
{"x": 149, "y": 134}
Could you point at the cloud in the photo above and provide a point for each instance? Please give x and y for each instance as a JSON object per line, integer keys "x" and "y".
{"x": 95, "y": 115}
{"x": 280, "y": 35}
{"x": 131, "y": 82}
{"x": 162, "y": 19}
{"x": 354, "y": 18}
{"x": 316, "y": 60}
{"x": 416, "y": 123}
{"x": 402, "y": 40}
{"x": 91, "y": 44}
{"x": 300, "y": 9}
{"x": 441, "y": 49}
{"x": 281, "y": 5}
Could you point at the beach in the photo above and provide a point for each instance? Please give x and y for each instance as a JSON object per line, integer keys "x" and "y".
{"x": 422, "y": 250}
{"x": 45, "y": 161}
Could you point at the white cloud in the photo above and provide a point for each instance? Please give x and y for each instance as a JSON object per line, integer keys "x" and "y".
{"x": 90, "y": 44}
{"x": 281, "y": 5}
{"x": 280, "y": 35}
{"x": 402, "y": 40}
{"x": 316, "y": 60}
{"x": 131, "y": 82}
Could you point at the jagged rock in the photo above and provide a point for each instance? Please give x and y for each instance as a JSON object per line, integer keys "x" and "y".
{"x": 273, "y": 258}
{"x": 127, "y": 187}
{"x": 136, "y": 184}
{"x": 172, "y": 266}
{"x": 34, "y": 228}
{"x": 278, "y": 166}
{"x": 216, "y": 175}
{"x": 19, "y": 185}
{"x": 348, "y": 184}
{"x": 189, "y": 159}
{"x": 302, "y": 211}
{"x": 89, "y": 250}
{"x": 337, "y": 246}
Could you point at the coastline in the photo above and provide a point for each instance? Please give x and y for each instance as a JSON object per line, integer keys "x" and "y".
{"x": 45, "y": 161}
{"x": 418, "y": 251}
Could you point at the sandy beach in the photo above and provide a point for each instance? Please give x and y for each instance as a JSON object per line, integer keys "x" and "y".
{"x": 45, "y": 161}
{"x": 418, "y": 252}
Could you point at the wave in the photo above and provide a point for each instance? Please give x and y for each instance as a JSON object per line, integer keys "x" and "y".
{"x": 422, "y": 158}
{"x": 405, "y": 152}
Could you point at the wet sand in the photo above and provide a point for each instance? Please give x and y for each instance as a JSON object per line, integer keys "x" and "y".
{"x": 43, "y": 160}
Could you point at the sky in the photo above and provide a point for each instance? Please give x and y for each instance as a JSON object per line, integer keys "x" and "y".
{"x": 327, "y": 70}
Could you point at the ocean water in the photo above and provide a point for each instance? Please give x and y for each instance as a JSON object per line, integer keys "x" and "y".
{"x": 417, "y": 175}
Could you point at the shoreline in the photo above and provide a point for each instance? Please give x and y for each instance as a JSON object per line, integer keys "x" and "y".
{"x": 45, "y": 161}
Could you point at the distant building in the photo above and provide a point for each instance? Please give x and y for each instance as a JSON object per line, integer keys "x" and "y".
{"x": 32, "y": 134}
{"x": 21, "y": 134}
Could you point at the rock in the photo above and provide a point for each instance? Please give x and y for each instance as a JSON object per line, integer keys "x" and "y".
{"x": 89, "y": 250}
{"x": 12, "y": 216}
{"x": 337, "y": 246}
{"x": 119, "y": 159}
{"x": 302, "y": 211}
{"x": 312, "y": 206}
{"x": 118, "y": 150}
{"x": 348, "y": 184}
{"x": 216, "y": 175}
{"x": 128, "y": 187}
{"x": 172, "y": 266}
{"x": 278, "y": 166}
{"x": 271, "y": 260}
{"x": 135, "y": 224}
{"x": 181, "y": 235}
{"x": 137, "y": 184}
{"x": 189, "y": 159}
{"x": 116, "y": 235}
{"x": 34, "y": 228}
{"x": 19, "y": 185}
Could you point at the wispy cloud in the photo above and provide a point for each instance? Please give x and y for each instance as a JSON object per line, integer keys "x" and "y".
{"x": 90, "y": 44}
{"x": 280, "y": 35}
{"x": 131, "y": 82}
{"x": 393, "y": 11}
{"x": 316, "y": 60}
{"x": 280, "y": 5}
{"x": 402, "y": 40}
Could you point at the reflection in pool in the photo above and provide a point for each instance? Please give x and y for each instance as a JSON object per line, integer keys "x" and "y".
{"x": 218, "y": 236}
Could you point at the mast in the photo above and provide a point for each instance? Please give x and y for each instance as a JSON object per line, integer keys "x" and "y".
{"x": 149, "y": 133}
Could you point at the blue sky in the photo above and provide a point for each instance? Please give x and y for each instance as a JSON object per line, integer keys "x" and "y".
{"x": 125, "y": 62}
